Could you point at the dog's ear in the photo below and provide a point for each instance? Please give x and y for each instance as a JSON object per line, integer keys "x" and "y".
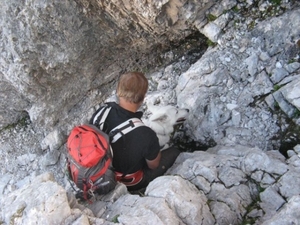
{"x": 157, "y": 117}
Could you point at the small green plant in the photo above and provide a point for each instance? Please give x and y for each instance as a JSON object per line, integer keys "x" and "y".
{"x": 210, "y": 43}
{"x": 275, "y": 2}
{"x": 115, "y": 219}
{"x": 251, "y": 25}
{"x": 296, "y": 113}
{"x": 276, "y": 87}
{"x": 23, "y": 122}
{"x": 292, "y": 61}
{"x": 261, "y": 189}
{"x": 235, "y": 9}
{"x": 211, "y": 17}
{"x": 253, "y": 205}
{"x": 248, "y": 221}
{"x": 276, "y": 106}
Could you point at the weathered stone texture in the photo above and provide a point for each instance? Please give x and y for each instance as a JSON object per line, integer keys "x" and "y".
{"x": 175, "y": 198}
{"x": 241, "y": 93}
{"x": 50, "y": 55}
{"x": 54, "y": 53}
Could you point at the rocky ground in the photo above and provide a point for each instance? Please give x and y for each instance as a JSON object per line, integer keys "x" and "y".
{"x": 244, "y": 96}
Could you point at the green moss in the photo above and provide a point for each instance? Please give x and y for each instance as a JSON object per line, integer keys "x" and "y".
{"x": 275, "y": 2}
{"x": 210, "y": 43}
{"x": 276, "y": 106}
{"x": 296, "y": 114}
{"x": 235, "y": 9}
{"x": 251, "y": 25}
{"x": 211, "y": 17}
{"x": 277, "y": 87}
{"x": 292, "y": 61}
{"x": 248, "y": 221}
{"x": 261, "y": 189}
{"x": 23, "y": 122}
{"x": 115, "y": 219}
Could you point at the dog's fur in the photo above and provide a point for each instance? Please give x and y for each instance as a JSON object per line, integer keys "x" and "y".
{"x": 163, "y": 120}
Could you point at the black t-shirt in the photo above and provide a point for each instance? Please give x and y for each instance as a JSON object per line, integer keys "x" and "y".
{"x": 131, "y": 150}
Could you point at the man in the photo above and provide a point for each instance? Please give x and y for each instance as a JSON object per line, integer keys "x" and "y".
{"x": 137, "y": 158}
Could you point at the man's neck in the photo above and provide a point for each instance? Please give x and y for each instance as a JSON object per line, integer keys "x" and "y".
{"x": 132, "y": 107}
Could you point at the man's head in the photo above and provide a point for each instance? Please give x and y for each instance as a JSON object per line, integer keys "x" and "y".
{"x": 132, "y": 87}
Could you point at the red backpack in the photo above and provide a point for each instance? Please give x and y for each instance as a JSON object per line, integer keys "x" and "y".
{"x": 89, "y": 155}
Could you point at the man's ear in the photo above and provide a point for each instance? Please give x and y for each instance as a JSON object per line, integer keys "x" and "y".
{"x": 158, "y": 117}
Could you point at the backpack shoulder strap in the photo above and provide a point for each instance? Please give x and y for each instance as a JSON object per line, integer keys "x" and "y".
{"x": 125, "y": 128}
{"x": 118, "y": 131}
{"x": 101, "y": 116}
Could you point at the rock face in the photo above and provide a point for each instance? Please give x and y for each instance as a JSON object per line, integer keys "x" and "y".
{"x": 235, "y": 89}
{"x": 46, "y": 47}
{"x": 60, "y": 58}
{"x": 54, "y": 54}
{"x": 57, "y": 56}
{"x": 243, "y": 96}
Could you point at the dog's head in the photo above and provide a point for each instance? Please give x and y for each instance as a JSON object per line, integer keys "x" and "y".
{"x": 163, "y": 119}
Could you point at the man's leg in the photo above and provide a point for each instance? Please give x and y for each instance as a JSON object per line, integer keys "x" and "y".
{"x": 168, "y": 157}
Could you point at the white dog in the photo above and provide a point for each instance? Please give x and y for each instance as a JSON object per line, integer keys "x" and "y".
{"x": 163, "y": 120}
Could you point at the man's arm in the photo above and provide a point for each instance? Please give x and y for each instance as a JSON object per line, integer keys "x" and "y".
{"x": 153, "y": 164}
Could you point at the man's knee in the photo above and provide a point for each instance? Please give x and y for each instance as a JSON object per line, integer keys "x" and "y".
{"x": 171, "y": 152}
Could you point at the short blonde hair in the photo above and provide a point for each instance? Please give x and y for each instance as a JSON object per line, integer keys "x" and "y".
{"x": 132, "y": 86}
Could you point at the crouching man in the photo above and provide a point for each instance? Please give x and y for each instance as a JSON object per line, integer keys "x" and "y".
{"x": 137, "y": 158}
